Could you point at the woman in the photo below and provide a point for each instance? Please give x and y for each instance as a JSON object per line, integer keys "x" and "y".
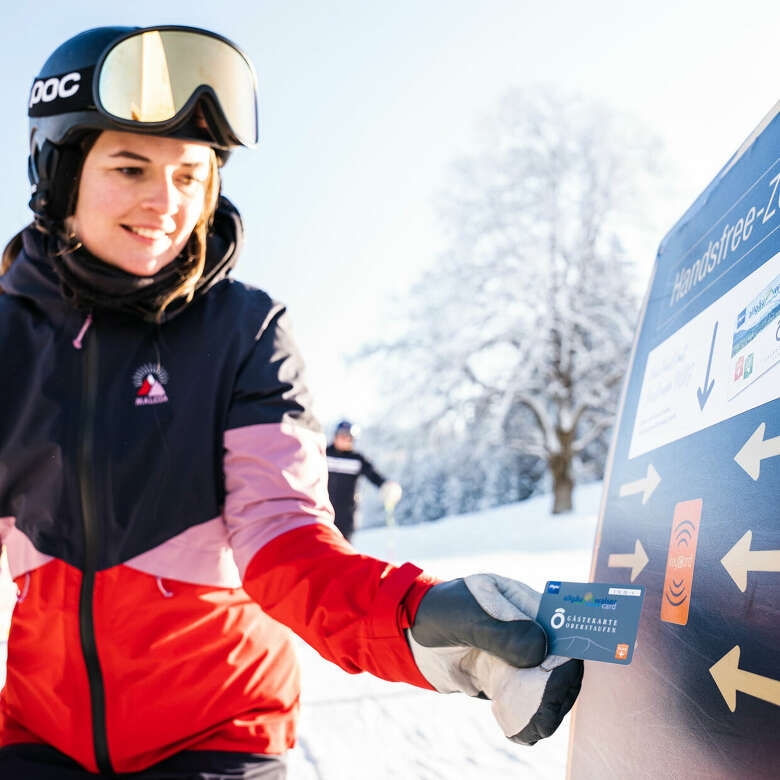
{"x": 163, "y": 494}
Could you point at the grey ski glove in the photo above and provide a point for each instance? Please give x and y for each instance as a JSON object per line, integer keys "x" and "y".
{"x": 477, "y": 635}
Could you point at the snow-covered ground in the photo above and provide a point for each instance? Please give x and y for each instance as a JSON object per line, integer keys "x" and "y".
{"x": 357, "y": 726}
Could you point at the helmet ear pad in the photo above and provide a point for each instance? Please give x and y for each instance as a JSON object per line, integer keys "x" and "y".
{"x": 55, "y": 170}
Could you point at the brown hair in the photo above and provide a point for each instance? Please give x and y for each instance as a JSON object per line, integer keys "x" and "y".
{"x": 197, "y": 242}
{"x": 196, "y": 245}
{"x": 12, "y": 249}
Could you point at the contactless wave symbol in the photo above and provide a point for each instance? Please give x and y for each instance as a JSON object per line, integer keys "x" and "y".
{"x": 676, "y": 592}
{"x": 678, "y": 581}
{"x": 683, "y": 533}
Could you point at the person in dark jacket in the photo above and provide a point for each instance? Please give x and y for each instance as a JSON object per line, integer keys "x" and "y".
{"x": 345, "y": 466}
{"x": 163, "y": 499}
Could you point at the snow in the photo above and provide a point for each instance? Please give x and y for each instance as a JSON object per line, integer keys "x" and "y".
{"x": 357, "y": 726}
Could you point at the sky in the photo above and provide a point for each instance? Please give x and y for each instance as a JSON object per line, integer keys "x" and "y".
{"x": 364, "y": 106}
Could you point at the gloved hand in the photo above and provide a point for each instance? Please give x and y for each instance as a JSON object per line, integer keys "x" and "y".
{"x": 477, "y": 635}
{"x": 391, "y": 493}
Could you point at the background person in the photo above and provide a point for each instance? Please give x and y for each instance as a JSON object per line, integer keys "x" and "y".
{"x": 163, "y": 496}
{"x": 345, "y": 466}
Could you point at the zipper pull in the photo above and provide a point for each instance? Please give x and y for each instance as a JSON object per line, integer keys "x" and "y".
{"x": 84, "y": 328}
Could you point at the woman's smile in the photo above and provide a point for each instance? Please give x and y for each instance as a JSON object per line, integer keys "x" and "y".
{"x": 148, "y": 235}
{"x": 140, "y": 198}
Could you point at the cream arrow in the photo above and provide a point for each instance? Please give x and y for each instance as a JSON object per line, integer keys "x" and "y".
{"x": 740, "y": 559}
{"x": 730, "y": 678}
{"x": 636, "y": 560}
{"x": 756, "y": 449}
{"x": 646, "y": 485}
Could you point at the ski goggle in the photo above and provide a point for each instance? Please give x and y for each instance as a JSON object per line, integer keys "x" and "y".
{"x": 152, "y": 78}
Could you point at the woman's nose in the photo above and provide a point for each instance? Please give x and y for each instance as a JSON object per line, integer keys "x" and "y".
{"x": 162, "y": 195}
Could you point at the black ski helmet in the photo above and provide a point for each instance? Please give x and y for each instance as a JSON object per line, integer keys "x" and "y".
{"x": 174, "y": 81}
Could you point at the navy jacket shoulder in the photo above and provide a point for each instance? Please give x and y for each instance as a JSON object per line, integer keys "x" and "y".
{"x": 156, "y": 400}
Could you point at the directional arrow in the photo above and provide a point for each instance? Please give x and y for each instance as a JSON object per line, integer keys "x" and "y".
{"x": 646, "y": 485}
{"x": 756, "y": 449}
{"x": 636, "y": 560}
{"x": 740, "y": 559}
{"x": 730, "y": 678}
{"x": 704, "y": 394}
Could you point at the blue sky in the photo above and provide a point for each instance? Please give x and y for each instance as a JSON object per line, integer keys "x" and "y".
{"x": 365, "y": 104}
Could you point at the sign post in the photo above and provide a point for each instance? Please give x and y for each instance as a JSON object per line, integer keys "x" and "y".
{"x": 693, "y": 489}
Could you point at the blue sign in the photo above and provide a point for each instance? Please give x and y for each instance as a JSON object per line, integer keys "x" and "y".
{"x": 692, "y": 504}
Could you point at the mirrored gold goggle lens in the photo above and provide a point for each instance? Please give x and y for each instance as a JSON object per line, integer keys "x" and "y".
{"x": 151, "y": 76}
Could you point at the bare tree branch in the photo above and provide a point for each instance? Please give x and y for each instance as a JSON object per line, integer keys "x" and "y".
{"x": 518, "y": 338}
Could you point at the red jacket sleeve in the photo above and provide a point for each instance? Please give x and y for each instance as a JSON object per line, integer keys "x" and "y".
{"x": 351, "y": 608}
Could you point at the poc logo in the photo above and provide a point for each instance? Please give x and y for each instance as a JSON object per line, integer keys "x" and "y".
{"x": 63, "y": 87}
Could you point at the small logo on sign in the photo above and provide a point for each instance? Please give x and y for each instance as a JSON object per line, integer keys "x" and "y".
{"x": 621, "y": 652}
{"x": 748, "y": 365}
{"x": 553, "y": 587}
{"x": 150, "y": 379}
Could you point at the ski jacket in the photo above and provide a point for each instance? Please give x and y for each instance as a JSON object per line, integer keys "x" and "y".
{"x": 344, "y": 468}
{"x": 163, "y": 504}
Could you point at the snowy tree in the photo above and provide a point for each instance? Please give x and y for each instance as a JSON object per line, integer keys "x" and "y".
{"x": 518, "y": 338}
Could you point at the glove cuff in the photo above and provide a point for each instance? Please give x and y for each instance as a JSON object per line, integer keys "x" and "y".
{"x": 442, "y": 667}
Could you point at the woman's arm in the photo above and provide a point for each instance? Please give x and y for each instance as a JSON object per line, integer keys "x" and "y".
{"x": 477, "y": 635}
{"x": 351, "y": 608}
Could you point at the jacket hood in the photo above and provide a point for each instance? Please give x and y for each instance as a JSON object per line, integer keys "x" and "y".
{"x": 82, "y": 281}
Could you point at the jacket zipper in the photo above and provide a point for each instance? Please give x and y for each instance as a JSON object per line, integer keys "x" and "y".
{"x": 91, "y": 556}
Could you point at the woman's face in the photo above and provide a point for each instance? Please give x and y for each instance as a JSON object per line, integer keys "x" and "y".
{"x": 140, "y": 197}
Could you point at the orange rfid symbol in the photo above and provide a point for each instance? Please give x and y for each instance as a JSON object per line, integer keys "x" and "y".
{"x": 676, "y": 599}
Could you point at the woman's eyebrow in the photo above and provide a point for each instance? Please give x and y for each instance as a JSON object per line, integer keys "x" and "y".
{"x": 134, "y": 156}
{"x": 131, "y": 155}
